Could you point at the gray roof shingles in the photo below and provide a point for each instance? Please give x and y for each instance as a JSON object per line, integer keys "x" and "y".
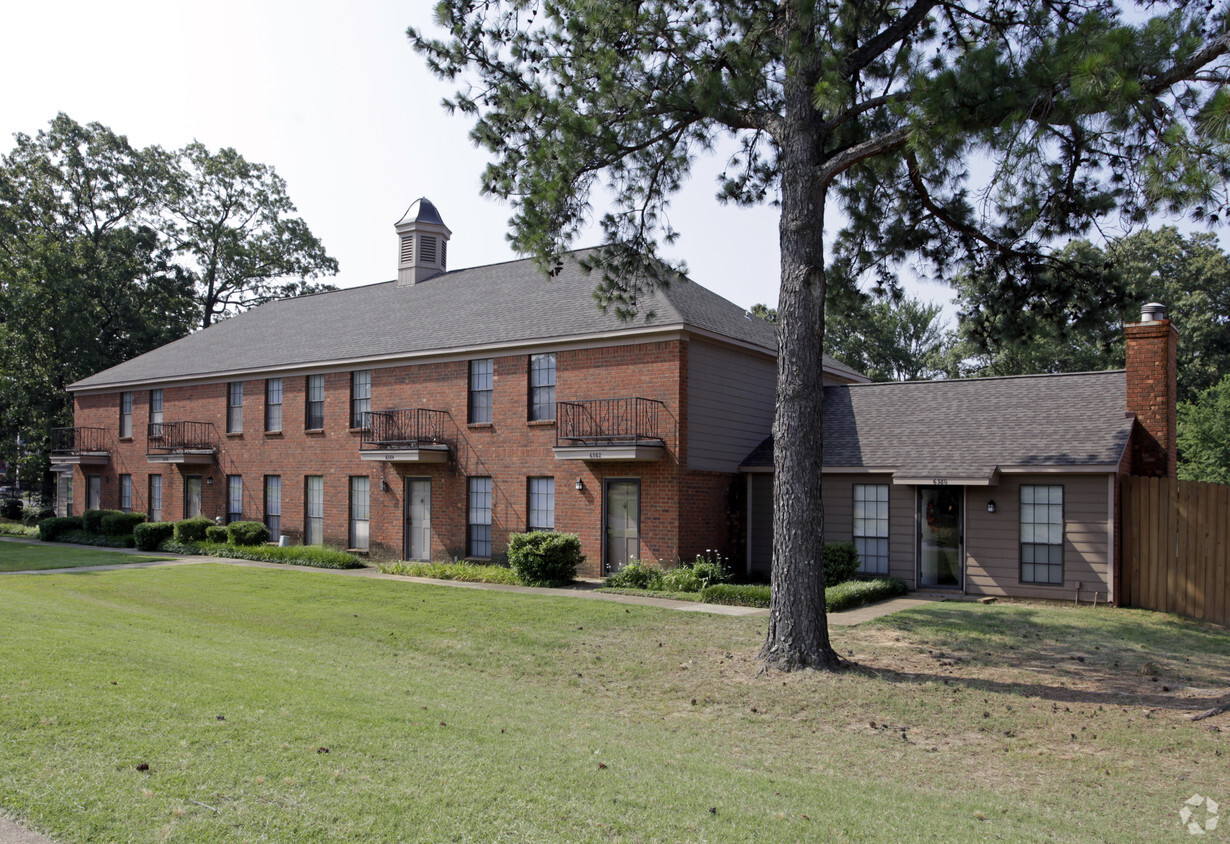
{"x": 500, "y": 303}
{"x": 967, "y": 427}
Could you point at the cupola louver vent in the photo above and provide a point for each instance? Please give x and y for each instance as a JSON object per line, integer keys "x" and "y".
{"x": 427, "y": 249}
{"x": 407, "y": 249}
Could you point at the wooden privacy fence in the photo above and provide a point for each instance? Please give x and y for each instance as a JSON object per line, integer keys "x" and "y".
{"x": 1176, "y": 553}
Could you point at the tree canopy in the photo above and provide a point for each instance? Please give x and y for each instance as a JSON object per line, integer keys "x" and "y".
{"x": 969, "y": 136}
{"x": 1204, "y": 435}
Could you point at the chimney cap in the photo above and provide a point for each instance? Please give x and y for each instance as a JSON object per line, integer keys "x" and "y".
{"x": 1153, "y": 312}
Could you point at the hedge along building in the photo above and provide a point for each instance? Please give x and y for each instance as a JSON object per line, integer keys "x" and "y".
{"x": 990, "y": 486}
{"x": 431, "y": 416}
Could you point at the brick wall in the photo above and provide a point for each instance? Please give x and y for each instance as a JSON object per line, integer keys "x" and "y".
{"x": 1152, "y": 393}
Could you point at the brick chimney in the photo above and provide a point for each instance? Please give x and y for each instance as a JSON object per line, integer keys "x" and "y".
{"x": 1152, "y": 391}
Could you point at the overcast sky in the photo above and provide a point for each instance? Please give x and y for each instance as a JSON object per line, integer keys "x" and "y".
{"x": 334, "y": 98}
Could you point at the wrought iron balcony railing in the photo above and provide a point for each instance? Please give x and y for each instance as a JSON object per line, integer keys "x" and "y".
{"x": 73, "y": 441}
{"x": 174, "y": 437}
{"x": 403, "y": 429}
{"x": 622, "y": 421}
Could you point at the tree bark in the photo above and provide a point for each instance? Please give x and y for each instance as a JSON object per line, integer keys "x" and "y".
{"x": 798, "y": 625}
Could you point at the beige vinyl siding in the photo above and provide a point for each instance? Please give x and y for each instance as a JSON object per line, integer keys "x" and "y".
{"x": 839, "y": 518}
{"x": 731, "y": 397}
{"x": 992, "y": 540}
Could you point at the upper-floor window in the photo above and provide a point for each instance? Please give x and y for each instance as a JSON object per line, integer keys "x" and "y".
{"x": 125, "y": 414}
{"x": 482, "y": 381}
{"x": 1041, "y": 534}
{"x": 541, "y": 504}
{"x": 360, "y": 398}
{"x": 314, "y": 416}
{"x": 542, "y": 386}
{"x": 871, "y": 527}
{"x": 234, "y": 407}
{"x": 273, "y": 404}
{"x": 155, "y": 407}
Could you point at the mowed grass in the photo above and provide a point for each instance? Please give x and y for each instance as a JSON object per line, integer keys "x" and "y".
{"x": 25, "y": 556}
{"x": 290, "y": 706}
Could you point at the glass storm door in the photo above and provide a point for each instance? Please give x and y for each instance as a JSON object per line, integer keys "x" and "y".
{"x": 623, "y": 517}
{"x": 93, "y": 492}
{"x": 418, "y": 519}
{"x": 940, "y": 536}
{"x": 192, "y": 496}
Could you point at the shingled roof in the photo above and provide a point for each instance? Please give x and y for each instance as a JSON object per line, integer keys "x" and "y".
{"x": 487, "y": 306}
{"x": 968, "y": 428}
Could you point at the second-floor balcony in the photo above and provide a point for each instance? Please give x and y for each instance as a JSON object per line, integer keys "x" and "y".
{"x": 409, "y": 435}
{"x": 628, "y": 428}
{"x": 80, "y": 446}
{"x": 181, "y": 442}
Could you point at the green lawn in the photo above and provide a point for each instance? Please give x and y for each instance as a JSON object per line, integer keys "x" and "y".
{"x": 26, "y": 556}
{"x": 292, "y": 706}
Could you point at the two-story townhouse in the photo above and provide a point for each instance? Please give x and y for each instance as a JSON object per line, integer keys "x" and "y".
{"x": 431, "y": 416}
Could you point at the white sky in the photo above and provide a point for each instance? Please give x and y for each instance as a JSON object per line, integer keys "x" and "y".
{"x": 343, "y": 109}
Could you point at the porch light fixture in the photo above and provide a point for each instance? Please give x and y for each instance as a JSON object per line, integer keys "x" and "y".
{"x": 991, "y": 506}
{"x": 384, "y": 485}
{"x": 580, "y": 485}
{"x": 209, "y": 481}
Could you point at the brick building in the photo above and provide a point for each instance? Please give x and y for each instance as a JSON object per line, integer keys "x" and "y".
{"x": 431, "y": 416}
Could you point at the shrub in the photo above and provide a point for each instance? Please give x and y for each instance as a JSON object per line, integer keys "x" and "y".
{"x": 81, "y": 537}
{"x": 10, "y": 508}
{"x": 736, "y": 595}
{"x": 192, "y": 530}
{"x": 215, "y": 533}
{"x": 14, "y": 529}
{"x": 636, "y": 575}
{"x": 91, "y": 520}
{"x": 855, "y": 593}
{"x": 50, "y": 530}
{"x": 545, "y": 558}
{"x": 121, "y": 524}
{"x": 247, "y": 533}
{"x": 680, "y": 579}
{"x": 464, "y": 572}
{"x": 840, "y": 562}
{"x": 32, "y": 517}
{"x": 149, "y": 535}
{"x": 710, "y": 571}
{"x": 297, "y": 555}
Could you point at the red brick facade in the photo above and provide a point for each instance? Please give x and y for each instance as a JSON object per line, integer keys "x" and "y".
{"x": 682, "y": 512}
{"x": 1152, "y": 393}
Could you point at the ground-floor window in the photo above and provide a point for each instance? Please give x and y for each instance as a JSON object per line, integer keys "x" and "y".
{"x": 192, "y": 496}
{"x": 125, "y": 493}
{"x": 871, "y": 527}
{"x": 360, "y": 512}
{"x": 314, "y": 510}
{"x": 234, "y": 498}
{"x": 155, "y": 498}
{"x": 93, "y": 492}
{"x": 1041, "y": 534}
{"x": 479, "y": 518}
{"x": 541, "y": 504}
{"x": 273, "y": 506}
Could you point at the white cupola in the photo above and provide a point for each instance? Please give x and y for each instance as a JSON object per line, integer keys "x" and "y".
{"x": 422, "y": 243}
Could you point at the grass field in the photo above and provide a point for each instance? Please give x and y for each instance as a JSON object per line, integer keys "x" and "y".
{"x": 290, "y": 706}
{"x": 26, "y": 556}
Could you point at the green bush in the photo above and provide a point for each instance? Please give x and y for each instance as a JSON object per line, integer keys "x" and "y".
{"x": 545, "y": 558}
{"x": 50, "y": 530}
{"x": 636, "y": 575}
{"x": 121, "y": 524}
{"x": 738, "y": 595}
{"x": 855, "y": 593}
{"x": 149, "y": 535}
{"x": 297, "y": 555}
{"x": 91, "y": 520}
{"x": 10, "y": 508}
{"x": 32, "y": 516}
{"x": 247, "y": 533}
{"x": 840, "y": 562}
{"x": 216, "y": 533}
{"x": 679, "y": 579}
{"x": 464, "y": 572}
{"x": 710, "y": 572}
{"x": 81, "y": 537}
{"x": 15, "y": 529}
{"x": 192, "y": 530}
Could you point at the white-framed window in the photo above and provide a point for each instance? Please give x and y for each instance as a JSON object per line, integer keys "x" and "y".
{"x": 126, "y": 493}
{"x": 313, "y": 510}
{"x": 1042, "y": 533}
{"x": 360, "y": 512}
{"x": 234, "y": 498}
{"x": 273, "y": 506}
{"x": 479, "y": 517}
{"x": 542, "y": 386}
{"x": 871, "y": 527}
{"x": 273, "y": 405}
{"x": 125, "y": 414}
{"x": 360, "y": 398}
{"x": 234, "y": 407}
{"x": 482, "y": 383}
{"x": 155, "y": 409}
{"x": 155, "y": 498}
{"x": 541, "y": 493}
{"x": 314, "y": 415}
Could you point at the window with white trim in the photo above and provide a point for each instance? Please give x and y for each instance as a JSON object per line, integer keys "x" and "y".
{"x": 155, "y": 409}
{"x": 541, "y": 504}
{"x": 126, "y": 493}
{"x": 234, "y": 498}
{"x": 234, "y": 407}
{"x": 871, "y": 527}
{"x": 1042, "y": 534}
{"x": 482, "y": 382}
{"x": 479, "y": 517}
{"x": 314, "y": 414}
{"x": 273, "y": 506}
{"x": 314, "y": 510}
{"x": 360, "y": 512}
{"x": 125, "y": 414}
{"x": 542, "y": 386}
{"x": 273, "y": 405}
{"x": 360, "y": 399}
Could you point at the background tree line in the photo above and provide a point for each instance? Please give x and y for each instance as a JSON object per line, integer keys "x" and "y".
{"x": 108, "y": 251}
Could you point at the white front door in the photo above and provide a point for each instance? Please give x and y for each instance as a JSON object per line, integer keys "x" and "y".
{"x": 418, "y": 518}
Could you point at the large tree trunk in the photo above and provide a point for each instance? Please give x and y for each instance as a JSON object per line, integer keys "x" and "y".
{"x": 798, "y": 626}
